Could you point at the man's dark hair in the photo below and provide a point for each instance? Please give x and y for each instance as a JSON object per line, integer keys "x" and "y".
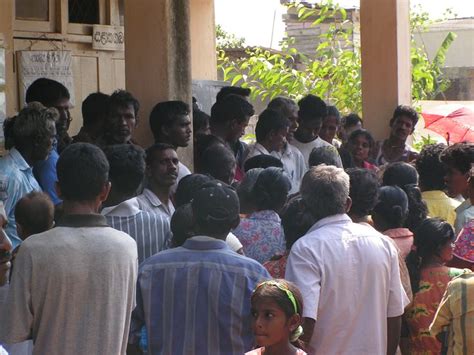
{"x": 333, "y": 111}
{"x": 351, "y": 120}
{"x": 232, "y": 107}
{"x": 311, "y": 108}
{"x": 283, "y": 105}
{"x": 459, "y": 156}
{"x": 232, "y": 90}
{"x": 82, "y": 170}
{"x": 430, "y": 168}
{"x": 363, "y": 191}
{"x": 165, "y": 113}
{"x": 262, "y": 161}
{"x": 46, "y": 91}
{"x": 35, "y": 212}
{"x": 218, "y": 161}
{"x": 94, "y": 107}
{"x": 188, "y": 185}
{"x": 268, "y": 121}
{"x": 157, "y": 147}
{"x": 200, "y": 120}
{"x": 204, "y": 142}
{"x": 122, "y": 98}
{"x": 127, "y": 167}
{"x": 403, "y": 110}
{"x": 400, "y": 174}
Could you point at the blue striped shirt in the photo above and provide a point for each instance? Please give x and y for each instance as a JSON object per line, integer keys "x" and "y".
{"x": 151, "y": 231}
{"x": 195, "y": 299}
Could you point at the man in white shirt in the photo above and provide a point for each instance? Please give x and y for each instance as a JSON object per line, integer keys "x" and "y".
{"x": 161, "y": 171}
{"x": 348, "y": 274}
{"x": 292, "y": 159}
{"x": 311, "y": 112}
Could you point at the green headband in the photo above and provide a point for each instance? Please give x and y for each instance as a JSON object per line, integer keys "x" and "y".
{"x": 283, "y": 288}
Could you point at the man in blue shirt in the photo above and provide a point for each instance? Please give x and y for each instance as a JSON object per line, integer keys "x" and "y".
{"x": 51, "y": 94}
{"x": 29, "y": 138}
{"x": 195, "y": 299}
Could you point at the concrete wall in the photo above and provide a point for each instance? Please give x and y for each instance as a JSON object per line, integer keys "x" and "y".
{"x": 461, "y": 52}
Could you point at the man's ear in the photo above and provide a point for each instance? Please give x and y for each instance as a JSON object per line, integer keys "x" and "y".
{"x": 348, "y": 204}
{"x": 104, "y": 193}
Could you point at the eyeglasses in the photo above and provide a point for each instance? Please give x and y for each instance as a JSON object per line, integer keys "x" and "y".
{"x": 289, "y": 294}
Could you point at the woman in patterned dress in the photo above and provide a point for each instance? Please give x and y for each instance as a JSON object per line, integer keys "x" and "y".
{"x": 433, "y": 247}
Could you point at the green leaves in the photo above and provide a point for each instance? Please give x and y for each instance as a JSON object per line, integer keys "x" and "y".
{"x": 333, "y": 71}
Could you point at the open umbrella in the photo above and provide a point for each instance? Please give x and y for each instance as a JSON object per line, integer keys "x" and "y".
{"x": 454, "y": 122}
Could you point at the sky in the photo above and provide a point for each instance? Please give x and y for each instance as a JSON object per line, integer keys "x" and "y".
{"x": 255, "y": 19}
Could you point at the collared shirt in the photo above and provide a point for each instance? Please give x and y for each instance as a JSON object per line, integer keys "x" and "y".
{"x": 151, "y": 231}
{"x": 349, "y": 277}
{"x": 72, "y": 289}
{"x": 254, "y": 150}
{"x": 261, "y": 235}
{"x": 45, "y": 173}
{"x": 16, "y": 180}
{"x": 440, "y": 205}
{"x": 307, "y": 148}
{"x": 464, "y": 214}
{"x": 149, "y": 202}
{"x": 195, "y": 299}
{"x": 456, "y": 310}
{"x": 290, "y": 157}
{"x": 294, "y": 165}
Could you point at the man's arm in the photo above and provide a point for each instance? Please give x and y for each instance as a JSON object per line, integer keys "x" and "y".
{"x": 308, "y": 328}
{"x": 394, "y": 325}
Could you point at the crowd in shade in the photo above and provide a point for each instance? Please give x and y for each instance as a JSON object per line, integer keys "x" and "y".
{"x": 314, "y": 239}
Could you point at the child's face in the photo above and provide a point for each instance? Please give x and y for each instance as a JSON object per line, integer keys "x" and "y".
{"x": 360, "y": 148}
{"x": 270, "y": 324}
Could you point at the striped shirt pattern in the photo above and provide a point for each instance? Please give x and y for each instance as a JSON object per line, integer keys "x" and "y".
{"x": 195, "y": 299}
{"x": 151, "y": 231}
{"x": 456, "y": 311}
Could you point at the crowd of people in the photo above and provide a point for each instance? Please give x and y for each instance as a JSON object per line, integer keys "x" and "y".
{"x": 314, "y": 239}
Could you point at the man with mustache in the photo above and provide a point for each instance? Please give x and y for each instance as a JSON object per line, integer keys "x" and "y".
{"x": 161, "y": 172}
{"x": 121, "y": 119}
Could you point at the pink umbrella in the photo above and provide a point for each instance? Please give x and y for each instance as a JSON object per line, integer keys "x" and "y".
{"x": 456, "y": 125}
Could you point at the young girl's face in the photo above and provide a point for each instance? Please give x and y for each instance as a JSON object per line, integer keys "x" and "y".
{"x": 270, "y": 324}
{"x": 360, "y": 147}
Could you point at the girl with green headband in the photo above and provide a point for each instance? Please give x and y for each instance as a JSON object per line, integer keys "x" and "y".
{"x": 277, "y": 307}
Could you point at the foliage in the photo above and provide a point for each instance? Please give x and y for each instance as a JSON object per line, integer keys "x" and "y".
{"x": 418, "y": 144}
{"x": 427, "y": 78}
{"x": 333, "y": 70}
{"x": 225, "y": 39}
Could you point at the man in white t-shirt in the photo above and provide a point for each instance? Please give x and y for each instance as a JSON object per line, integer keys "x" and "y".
{"x": 311, "y": 112}
{"x": 347, "y": 273}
